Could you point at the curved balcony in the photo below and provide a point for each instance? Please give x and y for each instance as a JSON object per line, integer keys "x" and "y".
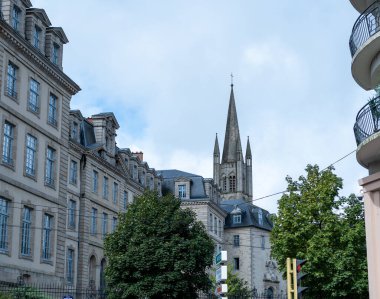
{"x": 365, "y": 47}
{"x": 367, "y": 133}
{"x": 361, "y": 5}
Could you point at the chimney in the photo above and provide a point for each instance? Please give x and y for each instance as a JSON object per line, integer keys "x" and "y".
{"x": 139, "y": 155}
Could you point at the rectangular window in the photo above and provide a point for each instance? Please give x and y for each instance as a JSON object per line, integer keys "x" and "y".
{"x": 73, "y": 172}
{"x": 70, "y": 266}
{"x": 12, "y": 80}
{"x": 26, "y": 231}
{"x": 94, "y": 181}
{"x": 215, "y": 226}
{"x": 49, "y": 170}
{"x": 262, "y": 242}
{"x": 36, "y": 37}
{"x": 105, "y": 187}
{"x": 72, "y": 208}
{"x": 220, "y": 228}
{"x": 52, "y": 112}
{"x": 236, "y": 219}
{"x": 74, "y": 130}
{"x": 3, "y": 224}
{"x": 115, "y": 192}
{"x": 104, "y": 224}
{"x": 94, "y": 217}
{"x": 8, "y": 143}
{"x": 114, "y": 223}
{"x": 210, "y": 224}
{"x": 125, "y": 200}
{"x": 236, "y": 263}
{"x": 34, "y": 90}
{"x": 181, "y": 191}
{"x": 236, "y": 240}
{"x": 46, "y": 237}
{"x": 30, "y": 157}
{"x": 16, "y": 16}
{"x": 55, "y": 54}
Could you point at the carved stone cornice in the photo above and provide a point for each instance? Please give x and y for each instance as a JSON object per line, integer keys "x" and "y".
{"x": 37, "y": 58}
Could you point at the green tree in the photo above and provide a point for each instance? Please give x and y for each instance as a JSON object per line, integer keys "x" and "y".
{"x": 158, "y": 250}
{"x": 314, "y": 223}
{"x": 236, "y": 286}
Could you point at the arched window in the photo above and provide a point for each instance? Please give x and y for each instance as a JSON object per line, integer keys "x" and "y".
{"x": 224, "y": 184}
{"x": 232, "y": 183}
{"x": 92, "y": 271}
{"x": 102, "y": 274}
{"x": 270, "y": 293}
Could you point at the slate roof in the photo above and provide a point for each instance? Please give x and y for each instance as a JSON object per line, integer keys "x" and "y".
{"x": 249, "y": 214}
{"x": 197, "y": 190}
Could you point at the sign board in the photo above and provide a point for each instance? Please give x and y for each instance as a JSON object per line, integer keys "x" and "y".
{"x": 221, "y": 257}
{"x": 222, "y": 289}
{"x": 67, "y": 297}
{"x": 221, "y": 274}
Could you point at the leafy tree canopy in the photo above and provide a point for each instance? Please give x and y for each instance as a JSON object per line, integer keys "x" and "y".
{"x": 158, "y": 250}
{"x": 314, "y": 223}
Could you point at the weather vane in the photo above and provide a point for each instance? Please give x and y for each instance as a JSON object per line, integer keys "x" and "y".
{"x": 232, "y": 79}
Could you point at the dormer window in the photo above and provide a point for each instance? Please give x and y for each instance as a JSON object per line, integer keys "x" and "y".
{"x": 181, "y": 191}
{"x": 236, "y": 219}
{"x": 16, "y": 16}
{"x": 74, "y": 130}
{"x": 37, "y": 37}
{"x": 55, "y": 54}
{"x": 151, "y": 184}
{"x": 260, "y": 215}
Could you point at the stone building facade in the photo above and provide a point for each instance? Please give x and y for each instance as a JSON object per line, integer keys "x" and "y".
{"x": 63, "y": 180}
{"x": 200, "y": 195}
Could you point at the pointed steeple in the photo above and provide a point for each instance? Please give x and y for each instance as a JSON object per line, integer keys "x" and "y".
{"x": 232, "y": 144}
{"x": 248, "y": 154}
{"x": 216, "y": 146}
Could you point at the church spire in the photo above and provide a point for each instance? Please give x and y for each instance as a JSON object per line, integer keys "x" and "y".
{"x": 248, "y": 154}
{"x": 216, "y": 146}
{"x": 232, "y": 144}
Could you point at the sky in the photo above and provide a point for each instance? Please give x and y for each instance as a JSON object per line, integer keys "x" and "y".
{"x": 163, "y": 68}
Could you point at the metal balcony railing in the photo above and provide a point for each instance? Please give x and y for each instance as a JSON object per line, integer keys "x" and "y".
{"x": 367, "y": 120}
{"x": 365, "y": 26}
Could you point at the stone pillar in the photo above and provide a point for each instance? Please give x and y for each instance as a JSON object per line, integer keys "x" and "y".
{"x": 371, "y": 189}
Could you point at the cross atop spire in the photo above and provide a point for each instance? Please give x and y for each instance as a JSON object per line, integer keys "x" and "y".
{"x": 232, "y": 80}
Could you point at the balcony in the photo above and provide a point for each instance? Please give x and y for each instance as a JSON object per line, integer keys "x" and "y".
{"x": 365, "y": 47}
{"x": 361, "y": 5}
{"x": 367, "y": 134}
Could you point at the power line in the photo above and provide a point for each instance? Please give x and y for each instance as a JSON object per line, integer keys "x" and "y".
{"x": 286, "y": 191}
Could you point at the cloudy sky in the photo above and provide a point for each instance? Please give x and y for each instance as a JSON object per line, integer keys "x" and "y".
{"x": 163, "y": 67}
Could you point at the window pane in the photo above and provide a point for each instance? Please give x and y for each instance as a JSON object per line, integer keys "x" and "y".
{"x": 3, "y": 224}
{"x": 34, "y": 88}
{"x": 31, "y": 146}
{"x": 25, "y": 232}
{"x": 8, "y": 143}
{"x": 52, "y": 112}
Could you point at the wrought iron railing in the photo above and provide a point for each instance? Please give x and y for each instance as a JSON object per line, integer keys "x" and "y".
{"x": 367, "y": 120}
{"x": 365, "y": 26}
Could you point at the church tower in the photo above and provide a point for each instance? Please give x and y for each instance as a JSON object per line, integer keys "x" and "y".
{"x": 233, "y": 174}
